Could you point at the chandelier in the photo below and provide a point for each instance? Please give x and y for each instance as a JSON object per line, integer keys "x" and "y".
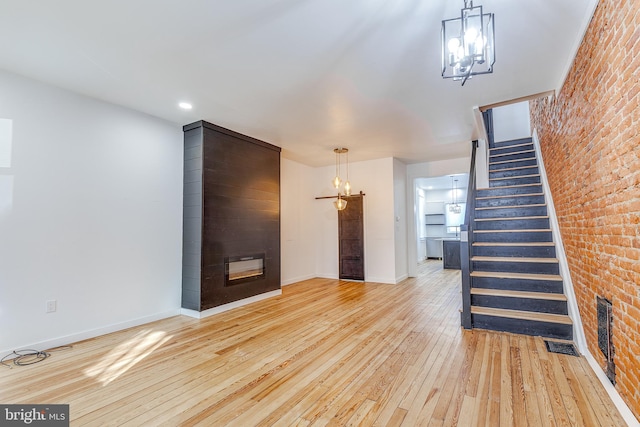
{"x": 454, "y": 207}
{"x": 468, "y": 44}
{"x": 343, "y": 187}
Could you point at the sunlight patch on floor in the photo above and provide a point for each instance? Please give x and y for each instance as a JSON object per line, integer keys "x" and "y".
{"x": 126, "y": 355}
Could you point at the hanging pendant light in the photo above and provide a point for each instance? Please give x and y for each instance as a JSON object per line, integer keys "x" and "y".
{"x": 347, "y": 184}
{"x": 341, "y": 203}
{"x": 337, "y": 181}
{"x": 454, "y": 207}
{"x": 468, "y": 44}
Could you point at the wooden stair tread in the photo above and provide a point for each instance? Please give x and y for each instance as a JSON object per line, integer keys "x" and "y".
{"x": 523, "y": 315}
{"x": 511, "y": 218}
{"x": 511, "y": 206}
{"x": 513, "y": 244}
{"x": 509, "y": 195}
{"x": 518, "y": 294}
{"x": 514, "y": 259}
{"x": 526, "y": 276}
{"x": 513, "y": 231}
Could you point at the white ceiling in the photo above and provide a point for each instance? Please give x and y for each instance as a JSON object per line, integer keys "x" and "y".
{"x": 306, "y": 75}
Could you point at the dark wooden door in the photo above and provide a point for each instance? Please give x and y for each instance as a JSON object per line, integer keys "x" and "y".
{"x": 351, "y": 239}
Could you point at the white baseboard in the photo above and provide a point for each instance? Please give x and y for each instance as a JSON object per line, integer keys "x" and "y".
{"x": 84, "y": 335}
{"x": 327, "y": 276}
{"x": 385, "y": 280}
{"x": 401, "y": 278}
{"x": 622, "y": 407}
{"x": 298, "y": 279}
{"x": 229, "y": 306}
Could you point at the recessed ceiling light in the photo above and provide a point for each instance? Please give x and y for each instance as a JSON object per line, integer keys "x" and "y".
{"x": 185, "y": 106}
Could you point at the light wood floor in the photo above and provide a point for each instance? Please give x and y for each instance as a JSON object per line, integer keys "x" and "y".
{"x": 323, "y": 353}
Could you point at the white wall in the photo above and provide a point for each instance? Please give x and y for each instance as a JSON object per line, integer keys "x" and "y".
{"x": 400, "y": 218}
{"x": 92, "y": 219}
{"x": 297, "y": 219}
{"x": 310, "y": 226}
{"x": 511, "y": 122}
{"x": 420, "y": 210}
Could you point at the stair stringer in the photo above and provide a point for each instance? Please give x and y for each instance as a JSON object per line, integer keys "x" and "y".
{"x": 572, "y": 303}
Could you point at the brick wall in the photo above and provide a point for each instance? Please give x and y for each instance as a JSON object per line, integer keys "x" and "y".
{"x": 590, "y": 140}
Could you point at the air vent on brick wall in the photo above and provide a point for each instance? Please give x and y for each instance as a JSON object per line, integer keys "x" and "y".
{"x": 605, "y": 323}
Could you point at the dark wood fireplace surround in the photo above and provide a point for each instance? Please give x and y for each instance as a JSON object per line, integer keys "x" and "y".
{"x": 231, "y": 211}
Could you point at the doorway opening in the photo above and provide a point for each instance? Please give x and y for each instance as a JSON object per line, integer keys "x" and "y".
{"x": 435, "y": 219}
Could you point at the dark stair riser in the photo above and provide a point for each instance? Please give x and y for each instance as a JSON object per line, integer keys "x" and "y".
{"x": 511, "y": 149}
{"x": 526, "y": 327}
{"x": 513, "y": 224}
{"x": 510, "y": 201}
{"x": 502, "y": 144}
{"x": 513, "y": 164}
{"x": 512, "y": 212}
{"x": 508, "y": 191}
{"x": 515, "y": 251}
{"x": 525, "y": 285}
{"x": 524, "y": 304}
{"x": 505, "y": 182}
{"x": 518, "y": 155}
{"x": 510, "y": 173}
{"x": 513, "y": 237}
{"x": 517, "y": 267}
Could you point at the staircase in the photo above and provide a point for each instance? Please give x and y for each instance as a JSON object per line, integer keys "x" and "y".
{"x": 515, "y": 280}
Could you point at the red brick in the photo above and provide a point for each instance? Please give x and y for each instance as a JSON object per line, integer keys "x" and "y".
{"x": 591, "y": 149}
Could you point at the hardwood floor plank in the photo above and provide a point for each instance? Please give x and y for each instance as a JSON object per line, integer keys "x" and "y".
{"x": 585, "y": 407}
{"x": 325, "y": 352}
{"x": 517, "y": 385}
{"x": 481, "y": 400}
{"x": 422, "y": 395}
{"x": 538, "y": 385}
{"x": 495, "y": 387}
{"x": 397, "y": 418}
{"x": 532, "y": 409}
{"x": 506, "y": 390}
{"x": 568, "y": 399}
{"x": 409, "y": 377}
{"x": 559, "y": 411}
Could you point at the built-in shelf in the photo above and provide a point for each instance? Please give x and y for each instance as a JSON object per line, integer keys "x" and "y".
{"x": 434, "y": 219}
{"x": 435, "y": 231}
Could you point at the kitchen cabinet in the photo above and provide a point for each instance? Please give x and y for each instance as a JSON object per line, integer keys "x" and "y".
{"x": 451, "y": 254}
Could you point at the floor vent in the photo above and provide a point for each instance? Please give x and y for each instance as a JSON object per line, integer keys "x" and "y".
{"x": 605, "y": 342}
{"x": 561, "y": 348}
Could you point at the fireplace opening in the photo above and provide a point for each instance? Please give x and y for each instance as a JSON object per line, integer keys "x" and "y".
{"x": 242, "y": 269}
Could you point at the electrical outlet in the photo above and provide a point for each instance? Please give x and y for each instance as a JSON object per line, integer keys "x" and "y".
{"x": 51, "y": 306}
